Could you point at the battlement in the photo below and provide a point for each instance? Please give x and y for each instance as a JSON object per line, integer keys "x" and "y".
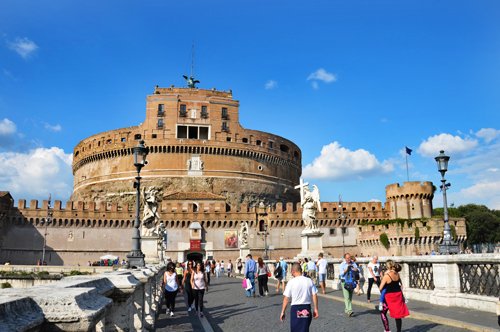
{"x": 409, "y": 189}
{"x": 192, "y": 91}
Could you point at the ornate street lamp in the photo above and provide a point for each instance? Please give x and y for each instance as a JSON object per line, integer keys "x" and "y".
{"x": 342, "y": 217}
{"x": 136, "y": 256}
{"x": 162, "y": 234}
{"x": 448, "y": 245}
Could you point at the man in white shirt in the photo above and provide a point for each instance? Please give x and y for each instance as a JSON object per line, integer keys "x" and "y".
{"x": 322, "y": 263}
{"x": 373, "y": 275}
{"x": 301, "y": 291}
{"x": 311, "y": 270}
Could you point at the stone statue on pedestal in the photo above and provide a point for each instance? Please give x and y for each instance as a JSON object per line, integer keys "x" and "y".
{"x": 243, "y": 235}
{"x": 150, "y": 215}
{"x": 310, "y": 202}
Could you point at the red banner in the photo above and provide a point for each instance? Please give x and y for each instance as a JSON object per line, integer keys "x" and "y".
{"x": 195, "y": 245}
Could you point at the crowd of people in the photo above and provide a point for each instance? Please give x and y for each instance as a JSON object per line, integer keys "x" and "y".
{"x": 299, "y": 290}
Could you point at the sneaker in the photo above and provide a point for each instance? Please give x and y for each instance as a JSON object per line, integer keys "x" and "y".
{"x": 167, "y": 311}
{"x": 266, "y": 293}
{"x": 171, "y": 313}
{"x": 380, "y": 306}
{"x": 350, "y": 314}
{"x": 189, "y": 310}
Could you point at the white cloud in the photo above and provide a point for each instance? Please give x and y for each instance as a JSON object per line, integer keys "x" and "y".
{"x": 7, "y": 127}
{"x": 37, "y": 173}
{"x": 488, "y": 134}
{"x": 447, "y": 142}
{"x": 336, "y": 162}
{"x": 23, "y": 46}
{"x": 322, "y": 75}
{"x": 54, "y": 128}
{"x": 271, "y": 84}
{"x": 315, "y": 85}
{"x": 487, "y": 192}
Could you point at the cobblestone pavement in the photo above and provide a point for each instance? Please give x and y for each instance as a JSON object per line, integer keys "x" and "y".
{"x": 229, "y": 310}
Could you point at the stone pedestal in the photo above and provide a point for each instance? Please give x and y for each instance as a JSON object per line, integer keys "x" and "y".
{"x": 312, "y": 244}
{"x": 149, "y": 246}
{"x": 244, "y": 251}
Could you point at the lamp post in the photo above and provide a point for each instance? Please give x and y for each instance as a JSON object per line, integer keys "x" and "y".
{"x": 48, "y": 220}
{"x": 136, "y": 256}
{"x": 342, "y": 217}
{"x": 448, "y": 245}
{"x": 161, "y": 239}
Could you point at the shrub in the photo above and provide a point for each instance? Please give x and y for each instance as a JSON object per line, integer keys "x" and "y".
{"x": 417, "y": 233}
{"x": 384, "y": 239}
{"x": 5, "y": 285}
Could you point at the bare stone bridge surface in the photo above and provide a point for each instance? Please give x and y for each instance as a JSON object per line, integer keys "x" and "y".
{"x": 227, "y": 309}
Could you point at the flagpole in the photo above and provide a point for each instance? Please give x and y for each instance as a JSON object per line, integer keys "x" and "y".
{"x": 407, "y": 173}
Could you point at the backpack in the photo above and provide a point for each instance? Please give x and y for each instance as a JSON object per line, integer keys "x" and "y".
{"x": 278, "y": 271}
{"x": 350, "y": 280}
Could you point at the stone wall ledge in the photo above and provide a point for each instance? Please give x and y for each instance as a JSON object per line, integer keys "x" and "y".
{"x": 122, "y": 300}
{"x": 13, "y": 309}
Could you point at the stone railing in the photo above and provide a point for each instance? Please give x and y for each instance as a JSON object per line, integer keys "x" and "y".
{"x": 469, "y": 281}
{"x": 123, "y": 300}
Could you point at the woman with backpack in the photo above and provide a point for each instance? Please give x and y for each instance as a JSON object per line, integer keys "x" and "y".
{"x": 393, "y": 299}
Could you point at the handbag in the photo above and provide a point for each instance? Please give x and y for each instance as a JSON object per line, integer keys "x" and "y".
{"x": 244, "y": 283}
{"x": 269, "y": 274}
{"x": 249, "y": 284}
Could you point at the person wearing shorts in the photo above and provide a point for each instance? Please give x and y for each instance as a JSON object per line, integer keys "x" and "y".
{"x": 322, "y": 263}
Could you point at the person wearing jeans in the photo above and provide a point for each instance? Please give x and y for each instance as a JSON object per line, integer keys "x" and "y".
{"x": 199, "y": 284}
{"x": 250, "y": 269}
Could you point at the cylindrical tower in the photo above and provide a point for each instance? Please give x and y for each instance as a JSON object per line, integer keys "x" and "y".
{"x": 412, "y": 200}
{"x": 196, "y": 144}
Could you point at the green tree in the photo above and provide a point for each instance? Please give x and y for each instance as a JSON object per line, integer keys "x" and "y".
{"x": 482, "y": 227}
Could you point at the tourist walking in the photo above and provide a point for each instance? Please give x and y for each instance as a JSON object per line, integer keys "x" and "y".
{"x": 322, "y": 263}
{"x": 171, "y": 287}
{"x": 200, "y": 285}
{"x": 207, "y": 270}
{"x": 217, "y": 269}
{"x": 239, "y": 265}
{"x": 262, "y": 277}
{"x": 373, "y": 276}
{"x": 301, "y": 291}
{"x": 347, "y": 269}
{"x": 180, "y": 272}
{"x": 311, "y": 270}
{"x": 229, "y": 269}
{"x": 250, "y": 269}
{"x": 358, "y": 290}
{"x": 393, "y": 299}
{"x": 280, "y": 274}
{"x": 186, "y": 282}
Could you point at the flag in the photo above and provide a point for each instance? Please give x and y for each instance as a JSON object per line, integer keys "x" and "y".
{"x": 408, "y": 150}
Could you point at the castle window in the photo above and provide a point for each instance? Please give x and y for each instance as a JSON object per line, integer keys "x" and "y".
{"x": 244, "y": 140}
{"x": 296, "y": 155}
{"x": 271, "y": 144}
{"x": 353, "y": 209}
{"x": 137, "y": 136}
{"x": 262, "y": 226}
{"x": 183, "y": 111}
{"x": 123, "y": 139}
{"x": 193, "y": 113}
{"x": 153, "y": 136}
{"x": 225, "y": 115}
{"x": 344, "y": 230}
{"x": 204, "y": 112}
{"x": 161, "y": 109}
{"x": 373, "y": 228}
{"x": 228, "y": 139}
{"x": 332, "y": 231}
{"x": 258, "y": 142}
{"x": 160, "y": 123}
{"x": 193, "y": 132}
{"x": 373, "y": 208}
{"x": 284, "y": 148}
{"x": 225, "y": 127}
{"x": 386, "y": 226}
{"x": 181, "y": 131}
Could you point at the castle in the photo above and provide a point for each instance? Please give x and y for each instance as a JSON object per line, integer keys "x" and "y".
{"x": 210, "y": 175}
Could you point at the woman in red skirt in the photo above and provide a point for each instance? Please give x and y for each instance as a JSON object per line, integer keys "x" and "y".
{"x": 393, "y": 300}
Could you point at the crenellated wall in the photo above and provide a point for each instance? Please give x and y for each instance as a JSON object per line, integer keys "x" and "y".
{"x": 412, "y": 200}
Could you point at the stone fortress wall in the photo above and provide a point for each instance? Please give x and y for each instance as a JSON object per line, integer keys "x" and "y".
{"x": 83, "y": 231}
{"x": 195, "y": 143}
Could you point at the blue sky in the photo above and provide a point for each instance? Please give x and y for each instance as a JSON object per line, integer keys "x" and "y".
{"x": 352, "y": 83}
